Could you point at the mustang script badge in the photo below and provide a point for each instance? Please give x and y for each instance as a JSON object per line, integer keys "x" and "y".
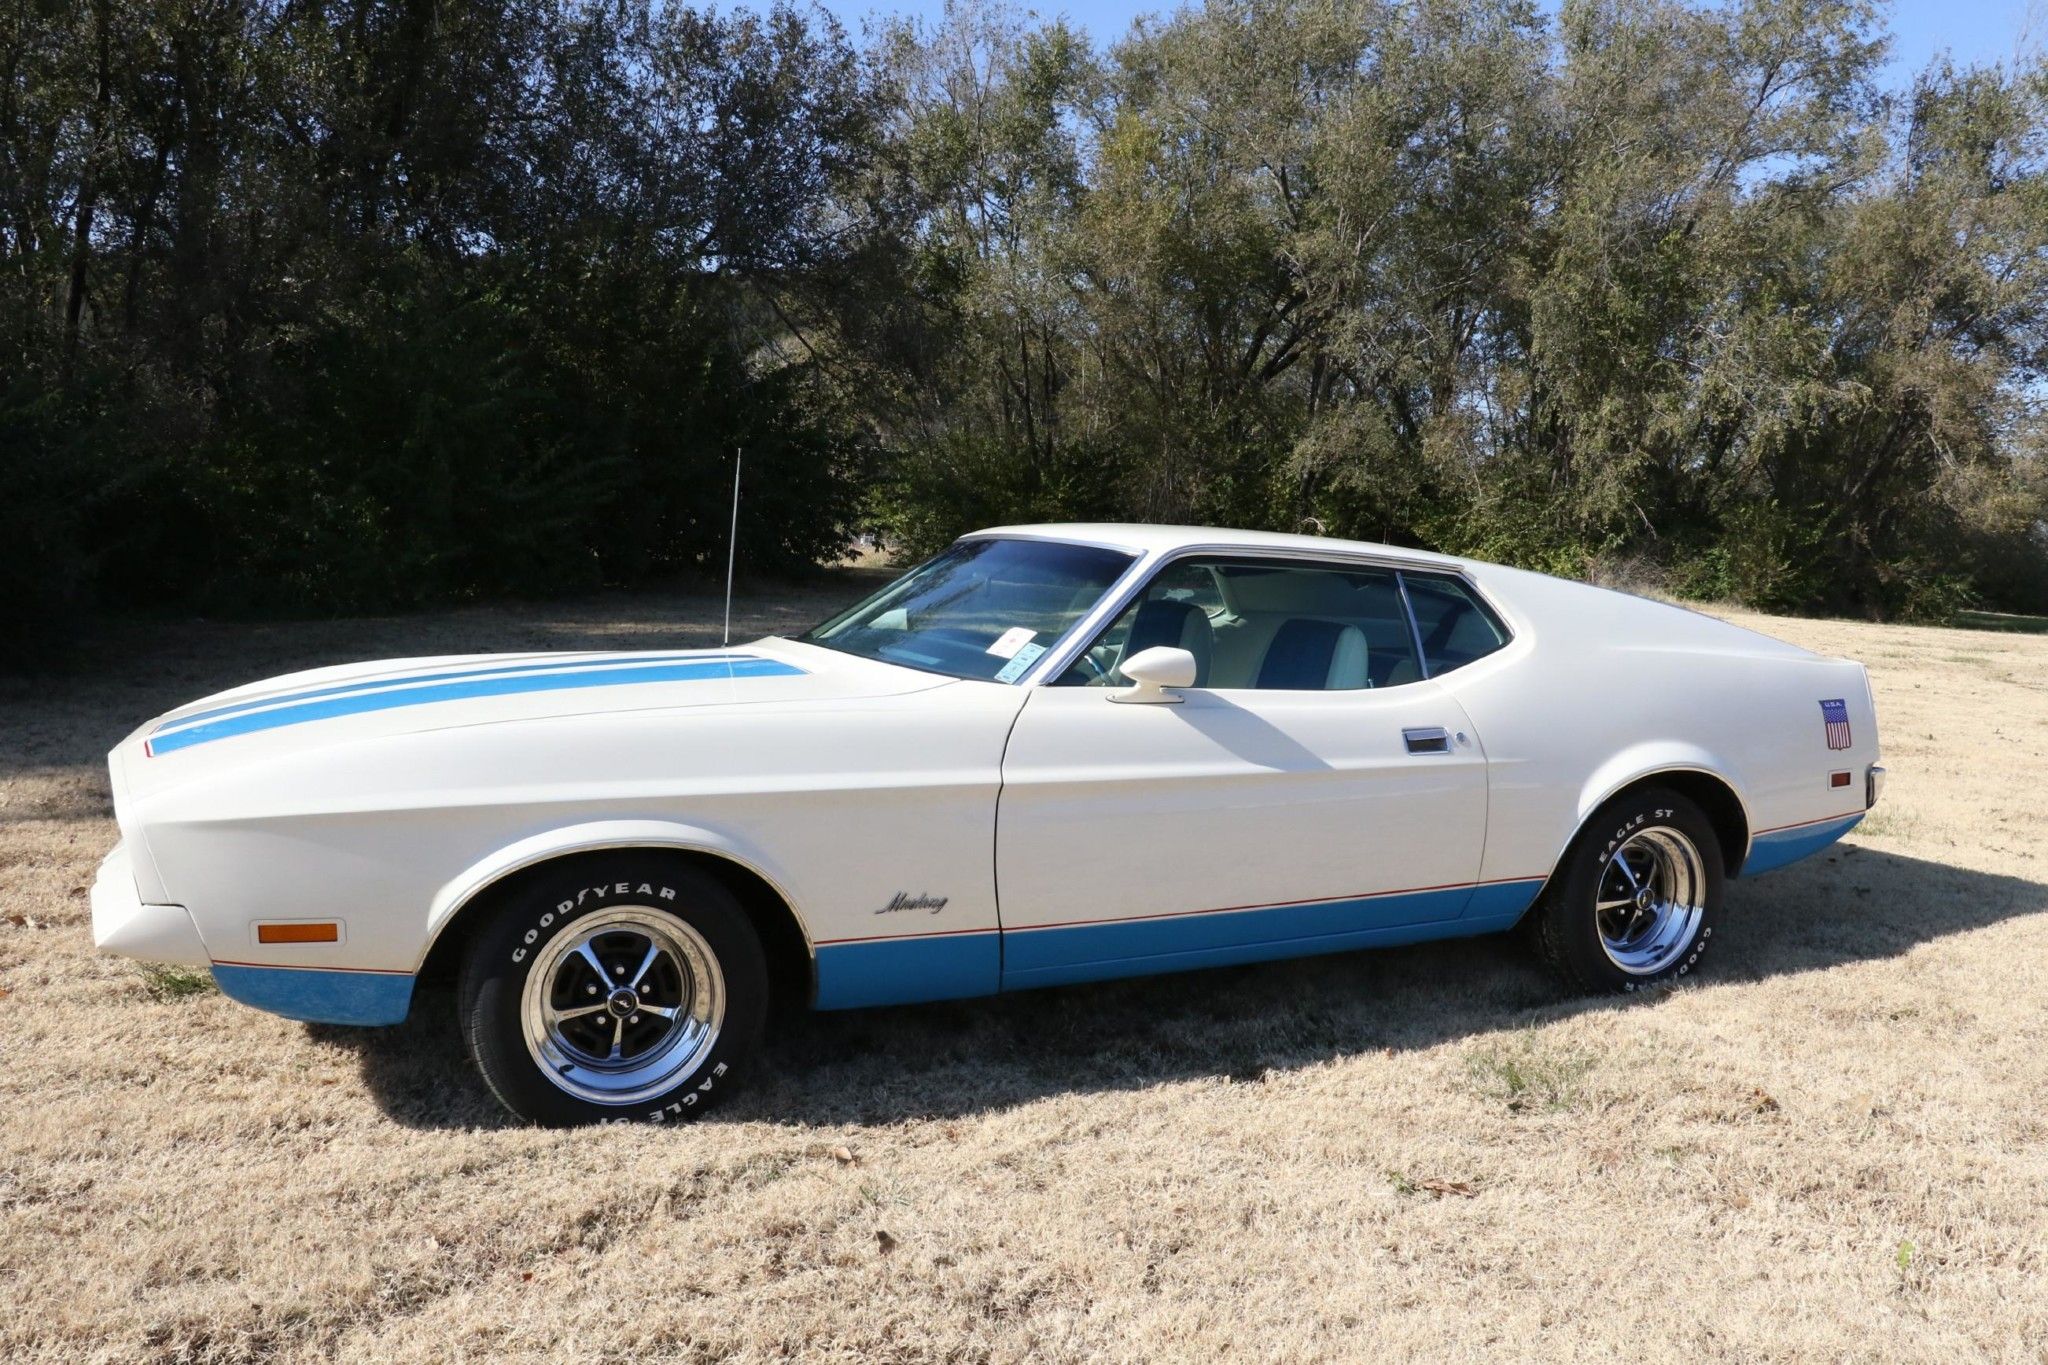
{"x": 905, "y": 901}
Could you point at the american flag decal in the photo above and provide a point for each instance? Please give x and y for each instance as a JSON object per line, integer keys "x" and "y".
{"x": 1835, "y": 715}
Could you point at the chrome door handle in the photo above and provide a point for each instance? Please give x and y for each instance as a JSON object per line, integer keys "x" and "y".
{"x": 1428, "y": 739}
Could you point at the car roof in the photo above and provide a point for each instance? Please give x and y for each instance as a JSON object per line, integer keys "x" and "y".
{"x": 1147, "y": 539}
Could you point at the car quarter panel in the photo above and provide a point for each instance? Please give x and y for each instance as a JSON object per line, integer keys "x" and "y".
{"x": 1600, "y": 689}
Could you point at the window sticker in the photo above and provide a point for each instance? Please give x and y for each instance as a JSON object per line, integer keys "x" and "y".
{"x": 1020, "y": 663}
{"x": 1010, "y": 641}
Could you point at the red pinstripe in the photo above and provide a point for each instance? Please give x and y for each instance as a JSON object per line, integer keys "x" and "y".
{"x": 312, "y": 967}
{"x": 1801, "y": 824}
{"x": 1186, "y": 914}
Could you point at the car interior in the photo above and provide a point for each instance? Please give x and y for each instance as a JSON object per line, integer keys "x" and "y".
{"x": 1253, "y": 624}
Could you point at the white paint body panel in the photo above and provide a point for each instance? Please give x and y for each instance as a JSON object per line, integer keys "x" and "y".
{"x": 385, "y": 823}
{"x": 122, "y": 924}
{"x": 1599, "y": 688}
{"x": 844, "y": 782}
{"x": 1231, "y": 800}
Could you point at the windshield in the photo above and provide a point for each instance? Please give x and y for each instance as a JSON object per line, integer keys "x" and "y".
{"x": 983, "y": 609}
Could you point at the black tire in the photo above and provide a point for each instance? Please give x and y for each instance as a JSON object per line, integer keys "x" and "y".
{"x": 689, "y": 946}
{"x": 1593, "y": 949}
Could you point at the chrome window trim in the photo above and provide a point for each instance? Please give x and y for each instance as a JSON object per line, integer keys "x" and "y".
{"x": 1414, "y": 626}
{"x": 1135, "y": 551}
{"x": 1485, "y": 603}
{"x": 1069, "y": 646}
{"x": 1149, "y": 566}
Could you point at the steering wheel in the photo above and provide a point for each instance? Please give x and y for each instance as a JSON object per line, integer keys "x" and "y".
{"x": 1096, "y": 670}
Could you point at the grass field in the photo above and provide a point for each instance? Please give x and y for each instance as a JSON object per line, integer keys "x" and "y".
{"x": 1833, "y": 1146}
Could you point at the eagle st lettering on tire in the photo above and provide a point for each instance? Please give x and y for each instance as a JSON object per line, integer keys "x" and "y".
{"x": 1633, "y": 907}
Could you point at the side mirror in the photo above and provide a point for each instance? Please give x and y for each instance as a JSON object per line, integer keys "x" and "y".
{"x": 1154, "y": 670}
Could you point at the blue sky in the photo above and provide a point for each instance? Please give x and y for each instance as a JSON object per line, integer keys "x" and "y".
{"x": 1972, "y": 30}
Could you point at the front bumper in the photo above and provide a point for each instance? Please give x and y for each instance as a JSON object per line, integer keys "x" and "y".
{"x": 124, "y": 926}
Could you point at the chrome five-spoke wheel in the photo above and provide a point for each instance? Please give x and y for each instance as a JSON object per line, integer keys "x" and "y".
{"x": 1650, "y": 901}
{"x": 622, "y": 1004}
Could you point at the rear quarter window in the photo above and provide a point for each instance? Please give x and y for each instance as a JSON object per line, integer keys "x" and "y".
{"x": 1455, "y": 626}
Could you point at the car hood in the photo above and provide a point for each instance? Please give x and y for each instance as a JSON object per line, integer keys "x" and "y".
{"x": 357, "y": 702}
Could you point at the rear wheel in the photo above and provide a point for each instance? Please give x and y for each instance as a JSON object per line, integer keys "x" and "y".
{"x": 617, "y": 987}
{"x": 1635, "y": 901}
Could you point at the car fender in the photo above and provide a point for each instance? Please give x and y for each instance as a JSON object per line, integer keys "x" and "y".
{"x": 479, "y": 876}
{"x": 1648, "y": 759}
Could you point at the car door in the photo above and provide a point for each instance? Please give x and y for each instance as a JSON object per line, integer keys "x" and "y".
{"x": 1313, "y": 792}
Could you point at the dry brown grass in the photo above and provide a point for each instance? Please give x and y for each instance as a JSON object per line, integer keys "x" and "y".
{"x": 1831, "y": 1147}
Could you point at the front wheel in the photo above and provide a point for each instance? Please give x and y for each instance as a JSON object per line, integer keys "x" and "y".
{"x": 1634, "y": 903}
{"x": 618, "y": 987}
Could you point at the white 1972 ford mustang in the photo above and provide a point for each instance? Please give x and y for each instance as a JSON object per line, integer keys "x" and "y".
{"x": 1052, "y": 754}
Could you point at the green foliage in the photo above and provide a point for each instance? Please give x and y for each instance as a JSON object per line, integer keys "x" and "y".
{"x": 1529, "y": 1077}
{"x": 1761, "y": 554}
{"x": 374, "y": 304}
{"x": 370, "y": 304}
{"x": 49, "y": 481}
{"x": 167, "y": 981}
{"x": 1681, "y": 287}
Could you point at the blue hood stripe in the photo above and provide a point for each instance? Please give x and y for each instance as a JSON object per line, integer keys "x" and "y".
{"x": 503, "y": 685}
{"x": 472, "y": 671}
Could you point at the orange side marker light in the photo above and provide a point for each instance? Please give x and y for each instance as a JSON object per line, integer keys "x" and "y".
{"x": 327, "y": 932}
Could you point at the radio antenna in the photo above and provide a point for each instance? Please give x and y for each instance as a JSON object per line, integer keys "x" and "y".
{"x": 732, "y": 542}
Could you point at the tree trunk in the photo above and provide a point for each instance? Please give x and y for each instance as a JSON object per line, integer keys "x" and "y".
{"x": 88, "y": 187}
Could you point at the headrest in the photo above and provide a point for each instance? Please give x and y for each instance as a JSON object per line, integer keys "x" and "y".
{"x": 1180, "y": 625}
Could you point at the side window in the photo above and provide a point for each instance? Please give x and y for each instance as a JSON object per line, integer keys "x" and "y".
{"x": 1178, "y": 607}
{"x": 1190, "y": 581}
{"x": 1261, "y": 624}
{"x": 1455, "y": 626}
